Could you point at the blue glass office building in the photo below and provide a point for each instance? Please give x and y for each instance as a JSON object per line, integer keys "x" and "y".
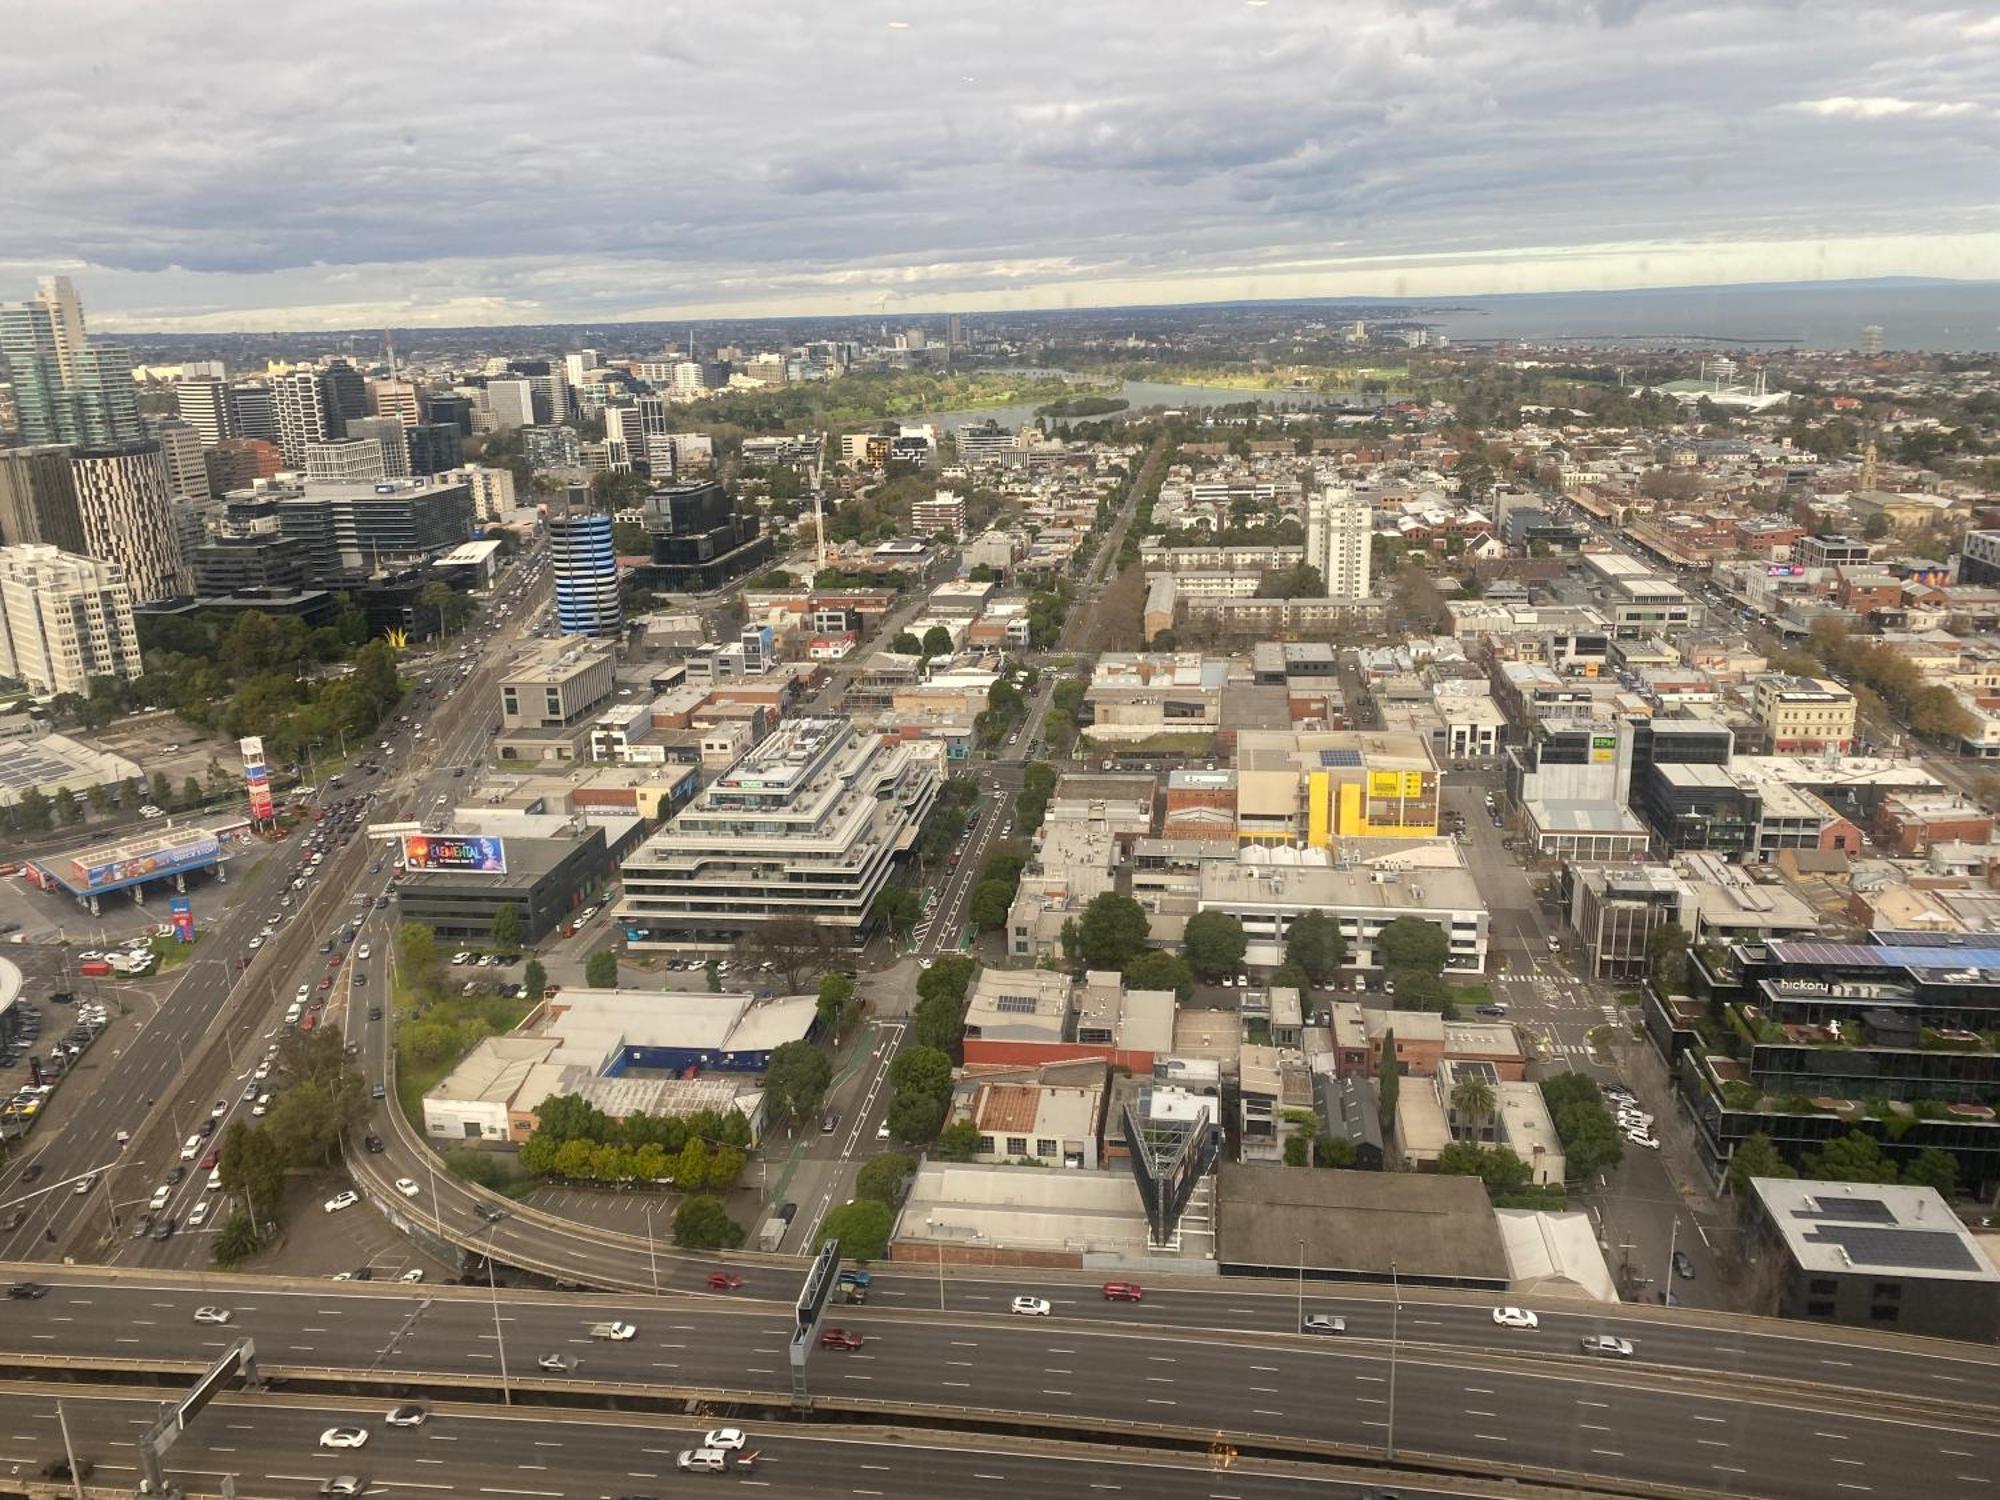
{"x": 586, "y": 575}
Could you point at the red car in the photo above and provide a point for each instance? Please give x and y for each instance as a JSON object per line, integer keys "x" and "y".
{"x": 210, "y": 1157}
{"x": 724, "y": 1281}
{"x": 840, "y": 1338}
{"x": 333, "y": 960}
{"x": 326, "y": 983}
{"x": 1123, "y": 1291}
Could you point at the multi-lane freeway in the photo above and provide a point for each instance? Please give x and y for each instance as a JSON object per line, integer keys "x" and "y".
{"x": 201, "y": 1047}
{"x": 269, "y": 1446}
{"x": 1532, "y": 1401}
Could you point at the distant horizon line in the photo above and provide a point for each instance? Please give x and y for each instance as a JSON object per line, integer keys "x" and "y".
{"x": 1438, "y": 302}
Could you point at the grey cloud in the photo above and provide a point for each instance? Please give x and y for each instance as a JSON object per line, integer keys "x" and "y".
{"x": 600, "y": 156}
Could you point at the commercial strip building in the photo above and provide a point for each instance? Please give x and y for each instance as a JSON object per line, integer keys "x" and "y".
{"x": 1035, "y": 1017}
{"x": 627, "y": 1052}
{"x": 554, "y": 865}
{"x": 1873, "y": 1255}
{"x": 64, "y": 619}
{"x": 549, "y": 699}
{"x": 808, "y": 824}
{"x": 1804, "y": 714}
{"x": 1267, "y": 889}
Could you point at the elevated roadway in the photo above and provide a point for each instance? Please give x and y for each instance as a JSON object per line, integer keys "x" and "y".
{"x": 1534, "y": 1406}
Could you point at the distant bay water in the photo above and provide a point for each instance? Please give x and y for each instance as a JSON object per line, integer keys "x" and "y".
{"x": 1940, "y": 317}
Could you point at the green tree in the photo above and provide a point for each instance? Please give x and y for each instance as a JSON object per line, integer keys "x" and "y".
{"x": 835, "y": 1002}
{"x": 906, "y": 644}
{"x": 1499, "y": 1168}
{"x": 1473, "y": 1099}
{"x": 507, "y": 928}
{"x": 1934, "y": 1169}
{"x": 939, "y": 1022}
{"x": 1335, "y": 1151}
{"x": 958, "y": 1141}
{"x": 190, "y": 793}
{"x": 1419, "y": 989}
{"x": 883, "y": 1177}
{"x": 915, "y": 1117}
{"x": 922, "y": 1070}
{"x": 937, "y": 641}
{"x": 991, "y": 901}
{"x": 1298, "y": 1149}
{"x": 237, "y": 1240}
{"x": 1667, "y": 958}
{"x": 1214, "y": 943}
{"x": 68, "y": 809}
{"x": 862, "y": 1227}
{"x": 1315, "y": 946}
{"x": 1156, "y": 969}
{"x": 1412, "y": 943}
{"x": 37, "y": 816}
{"x": 702, "y": 1223}
{"x": 1854, "y": 1157}
{"x": 1112, "y": 932}
{"x": 796, "y": 1081}
{"x": 1755, "y": 1156}
{"x": 253, "y": 1169}
{"x": 309, "y": 1118}
{"x": 534, "y": 978}
{"x": 949, "y": 977}
{"x": 417, "y": 944}
{"x": 1389, "y": 1080}
{"x": 600, "y": 970}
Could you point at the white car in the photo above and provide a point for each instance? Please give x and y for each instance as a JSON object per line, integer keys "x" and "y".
{"x": 1515, "y": 1317}
{"x": 729, "y": 1439}
{"x": 215, "y": 1315}
{"x": 412, "y": 1276}
{"x": 342, "y": 1200}
{"x": 407, "y": 1187}
{"x": 191, "y": 1148}
{"x": 305, "y": 993}
{"x": 85, "y": 1183}
{"x": 406, "y": 1416}
{"x": 198, "y": 1215}
{"x": 1605, "y": 1344}
{"x": 343, "y": 1437}
{"x": 362, "y": 953}
{"x": 1643, "y": 1140}
{"x": 461, "y": 959}
{"x": 1031, "y": 1307}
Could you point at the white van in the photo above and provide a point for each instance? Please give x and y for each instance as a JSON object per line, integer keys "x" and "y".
{"x": 711, "y": 1459}
{"x": 191, "y": 1148}
{"x": 160, "y": 1196}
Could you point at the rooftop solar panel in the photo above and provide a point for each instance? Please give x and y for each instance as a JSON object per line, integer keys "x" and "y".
{"x": 1910, "y": 1249}
{"x": 1345, "y": 756}
{"x": 1852, "y": 1210}
{"x": 1015, "y": 1005}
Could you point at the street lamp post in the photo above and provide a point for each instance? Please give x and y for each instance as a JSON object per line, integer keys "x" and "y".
{"x": 1302, "y": 1285}
{"x": 651, "y": 1259}
{"x": 499, "y": 1334}
{"x": 1395, "y": 1315}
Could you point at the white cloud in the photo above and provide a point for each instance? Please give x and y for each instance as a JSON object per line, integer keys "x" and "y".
{"x": 521, "y": 161}
{"x": 1844, "y": 107}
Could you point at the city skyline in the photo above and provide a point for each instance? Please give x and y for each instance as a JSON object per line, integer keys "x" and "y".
{"x": 767, "y": 161}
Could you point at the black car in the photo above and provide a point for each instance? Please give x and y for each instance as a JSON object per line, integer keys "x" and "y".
{"x": 374, "y": 1012}
{"x": 788, "y": 1211}
{"x": 32, "y": 1172}
{"x": 373, "y": 1143}
{"x": 362, "y": 1273}
{"x": 1683, "y": 1265}
{"x": 176, "y": 1172}
{"x": 164, "y": 1229}
{"x": 15, "y": 1220}
{"x": 26, "y": 1291}
{"x": 491, "y": 1214}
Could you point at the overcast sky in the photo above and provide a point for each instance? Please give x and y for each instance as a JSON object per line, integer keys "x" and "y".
{"x": 228, "y": 164}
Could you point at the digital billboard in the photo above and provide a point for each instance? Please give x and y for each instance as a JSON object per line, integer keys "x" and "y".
{"x": 191, "y": 851}
{"x": 443, "y": 851}
{"x": 1603, "y": 748}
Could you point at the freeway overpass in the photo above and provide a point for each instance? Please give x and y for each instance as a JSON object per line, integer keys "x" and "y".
{"x": 1531, "y": 1405}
